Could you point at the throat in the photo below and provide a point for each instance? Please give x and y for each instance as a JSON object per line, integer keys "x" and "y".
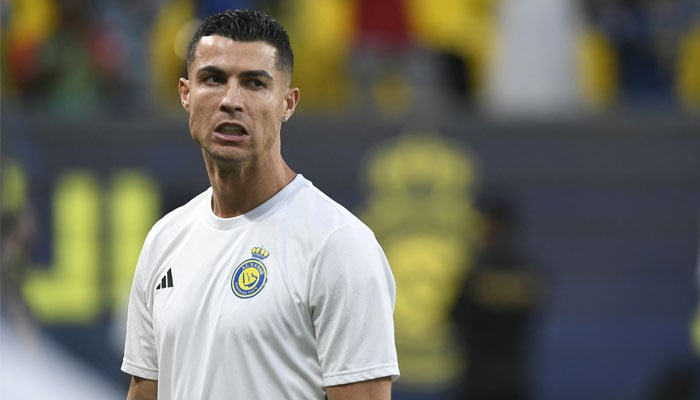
{"x": 236, "y": 194}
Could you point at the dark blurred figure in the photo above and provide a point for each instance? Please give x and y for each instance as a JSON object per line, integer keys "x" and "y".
{"x": 18, "y": 228}
{"x": 680, "y": 379}
{"x": 496, "y": 310}
{"x": 676, "y": 382}
{"x": 646, "y": 36}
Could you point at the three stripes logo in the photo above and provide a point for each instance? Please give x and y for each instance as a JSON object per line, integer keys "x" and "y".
{"x": 167, "y": 281}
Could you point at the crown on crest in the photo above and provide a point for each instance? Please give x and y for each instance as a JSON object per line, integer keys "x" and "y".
{"x": 259, "y": 252}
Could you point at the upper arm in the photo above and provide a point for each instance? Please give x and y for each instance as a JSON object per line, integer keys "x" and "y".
{"x": 140, "y": 351}
{"x": 375, "y": 389}
{"x": 352, "y": 297}
{"x": 142, "y": 389}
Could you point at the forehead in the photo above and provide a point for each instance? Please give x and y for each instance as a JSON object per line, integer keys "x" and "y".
{"x": 224, "y": 52}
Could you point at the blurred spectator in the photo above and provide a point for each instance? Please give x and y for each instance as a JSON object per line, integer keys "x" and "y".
{"x": 410, "y": 58}
{"x": 392, "y": 58}
{"x": 75, "y": 69}
{"x": 381, "y": 53}
{"x": 499, "y": 302}
{"x": 25, "y": 26}
{"x": 322, "y": 32}
{"x": 646, "y": 36}
{"x": 395, "y": 74}
{"x": 130, "y": 21}
{"x": 461, "y": 33}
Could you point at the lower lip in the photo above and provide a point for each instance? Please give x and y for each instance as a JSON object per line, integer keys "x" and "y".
{"x": 230, "y": 138}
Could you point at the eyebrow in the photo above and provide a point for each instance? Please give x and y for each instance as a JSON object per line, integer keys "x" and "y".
{"x": 258, "y": 73}
{"x": 210, "y": 69}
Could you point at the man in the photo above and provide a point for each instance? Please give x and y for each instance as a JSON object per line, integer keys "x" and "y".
{"x": 261, "y": 287}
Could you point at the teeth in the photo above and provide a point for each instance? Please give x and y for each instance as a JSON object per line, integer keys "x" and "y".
{"x": 231, "y": 130}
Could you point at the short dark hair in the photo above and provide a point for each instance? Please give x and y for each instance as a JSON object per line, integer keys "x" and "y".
{"x": 247, "y": 26}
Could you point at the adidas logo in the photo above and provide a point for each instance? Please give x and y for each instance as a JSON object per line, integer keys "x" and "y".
{"x": 167, "y": 280}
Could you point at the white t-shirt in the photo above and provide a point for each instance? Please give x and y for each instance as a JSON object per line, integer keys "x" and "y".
{"x": 291, "y": 297}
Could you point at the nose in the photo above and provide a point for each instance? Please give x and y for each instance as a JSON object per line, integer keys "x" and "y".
{"x": 233, "y": 99}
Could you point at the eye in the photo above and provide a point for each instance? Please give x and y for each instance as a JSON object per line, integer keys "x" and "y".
{"x": 214, "y": 80}
{"x": 256, "y": 84}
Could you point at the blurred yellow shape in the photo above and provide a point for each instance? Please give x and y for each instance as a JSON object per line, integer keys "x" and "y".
{"x": 597, "y": 66}
{"x": 688, "y": 82}
{"x": 134, "y": 207}
{"x": 175, "y": 21}
{"x": 321, "y": 33}
{"x": 30, "y": 20}
{"x": 70, "y": 290}
{"x": 14, "y": 187}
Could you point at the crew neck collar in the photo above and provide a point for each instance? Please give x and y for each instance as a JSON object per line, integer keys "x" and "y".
{"x": 270, "y": 205}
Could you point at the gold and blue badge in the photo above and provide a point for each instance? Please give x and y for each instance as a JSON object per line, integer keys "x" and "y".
{"x": 250, "y": 276}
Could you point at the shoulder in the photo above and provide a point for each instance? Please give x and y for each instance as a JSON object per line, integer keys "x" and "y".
{"x": 327, "y": 211}
{"x": 166, "y": 231}
{"x": 323, "y": 226}
{"x": 337, "y": 232}
{"x": 178, "y": 219}
{"x": 326, "y": 222}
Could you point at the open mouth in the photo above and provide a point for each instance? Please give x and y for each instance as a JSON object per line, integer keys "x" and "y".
{"x": 231, "y": 130}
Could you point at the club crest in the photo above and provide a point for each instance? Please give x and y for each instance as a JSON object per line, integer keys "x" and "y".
{"x": 250, "y": 276}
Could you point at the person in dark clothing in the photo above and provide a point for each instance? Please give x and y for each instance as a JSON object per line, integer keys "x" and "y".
{"x": 496, "y": 310}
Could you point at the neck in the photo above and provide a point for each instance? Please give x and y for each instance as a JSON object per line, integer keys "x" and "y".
{"x": 239, "y": 190}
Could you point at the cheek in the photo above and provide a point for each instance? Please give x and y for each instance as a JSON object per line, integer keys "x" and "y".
{"x": 276, "y": 111}
{"x": 197, "y": 121}
{"x": 201, "y": 108}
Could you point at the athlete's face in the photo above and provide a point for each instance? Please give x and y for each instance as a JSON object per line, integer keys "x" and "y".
{"x": 237, "y": 99}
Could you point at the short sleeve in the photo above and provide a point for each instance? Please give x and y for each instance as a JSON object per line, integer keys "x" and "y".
{"x": 140, "y": 355}
{"x": 352, "y": 296}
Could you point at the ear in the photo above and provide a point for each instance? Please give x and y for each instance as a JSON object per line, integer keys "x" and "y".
{"x": 184, "y": 88}
{"x": 290, "y": 103}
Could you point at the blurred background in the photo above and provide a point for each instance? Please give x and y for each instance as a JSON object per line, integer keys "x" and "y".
{"x": 531, "y": 168}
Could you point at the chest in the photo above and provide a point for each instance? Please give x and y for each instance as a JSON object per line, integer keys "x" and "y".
{"x": 231, "y": 289}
